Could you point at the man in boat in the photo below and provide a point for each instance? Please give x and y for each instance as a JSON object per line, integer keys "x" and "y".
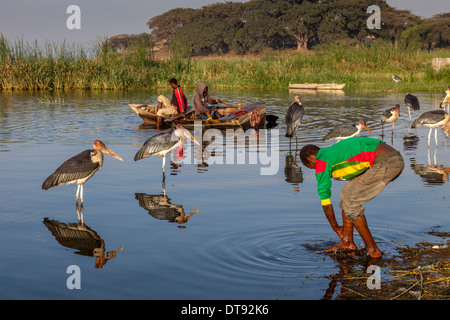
{"x": 201, "y": 100}
{"x": 370, "y": 164}
{"x": 176, "y": 106}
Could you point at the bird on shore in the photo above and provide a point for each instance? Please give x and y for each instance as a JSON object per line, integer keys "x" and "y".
{"x": 445, "y": 100}
{"x": 80, "y": 168}
{"x": 390, "y": 116}
{"x": 412, "y": 103}
{"x": 396, "y": 78}
{"x": 345, "y": 131}
{"x": 432, "y": 119}
{"x": 163, "y": 143}
{"x": 293, "y": 118}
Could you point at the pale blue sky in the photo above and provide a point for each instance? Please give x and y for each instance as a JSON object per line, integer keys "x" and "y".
{"x": 46, "y": 19}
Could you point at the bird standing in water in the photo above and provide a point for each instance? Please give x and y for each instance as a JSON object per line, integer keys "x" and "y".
{"x": 432, "y": 119}
{"x": 390, "y": 116}
{"x": 345, "y": 131}
{"x": 445, "y": 100}
{"x": 293, "y": 118}
{"x": 80, "y": 168}
{"x": 163, "y": 143}
{"x": 412, "y": 103}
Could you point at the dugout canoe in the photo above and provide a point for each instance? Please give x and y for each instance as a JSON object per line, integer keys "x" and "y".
{"x": 245, "y": 117}
{"x": 317, "y": 86}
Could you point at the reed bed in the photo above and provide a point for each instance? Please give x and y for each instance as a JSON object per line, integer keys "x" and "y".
{"x": 25, "y": 66}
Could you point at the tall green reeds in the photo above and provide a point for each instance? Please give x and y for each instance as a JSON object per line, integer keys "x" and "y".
{"x": 63, "y": 66}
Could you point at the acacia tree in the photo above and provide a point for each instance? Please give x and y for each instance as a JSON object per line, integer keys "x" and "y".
{"x": 165, "y": 26}
{"x": 436, "y": 31}
{"x": 397, "y": 21}
{"x": 302, "y": 22}
{"x": 212, "y": 31}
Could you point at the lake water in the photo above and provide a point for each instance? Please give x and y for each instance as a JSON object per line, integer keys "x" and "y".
{"x": 221, "y": 231}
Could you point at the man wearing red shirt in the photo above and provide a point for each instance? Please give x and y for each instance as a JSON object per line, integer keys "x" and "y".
{"x": 178, "y": 103}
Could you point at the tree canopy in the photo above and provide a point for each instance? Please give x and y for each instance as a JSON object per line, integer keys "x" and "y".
{"x": 255, "y": 25}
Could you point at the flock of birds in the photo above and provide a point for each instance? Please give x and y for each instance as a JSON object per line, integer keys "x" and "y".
{"x": 83, "y": 166}
{"x": 431, "y": 119}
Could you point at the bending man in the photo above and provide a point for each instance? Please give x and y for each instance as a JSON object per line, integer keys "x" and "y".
{"x": 370, "y": 164}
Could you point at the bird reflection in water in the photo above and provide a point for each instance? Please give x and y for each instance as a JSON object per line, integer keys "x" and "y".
{"x": 80, "y": 237}
{"x": 293, "y": 172}
{"x": 431, "y": 174}
{"x": 159, "y": 206}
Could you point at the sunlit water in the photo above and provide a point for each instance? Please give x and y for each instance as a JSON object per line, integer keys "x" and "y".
{"x": 226, "y": 232}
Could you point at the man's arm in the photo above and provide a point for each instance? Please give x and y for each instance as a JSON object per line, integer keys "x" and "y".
{"x": 329, "y": 213}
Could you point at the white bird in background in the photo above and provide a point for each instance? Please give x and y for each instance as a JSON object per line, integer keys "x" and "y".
{"x": 396, "y": 78}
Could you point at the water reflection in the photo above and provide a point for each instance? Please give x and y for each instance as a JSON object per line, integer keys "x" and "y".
{"x": 160, "y": 206}
{"x": 348, "y": 265}
{"x": 292, "y": 171}
{"x": 431, "y": 174}
{"x": 80, "y": 237}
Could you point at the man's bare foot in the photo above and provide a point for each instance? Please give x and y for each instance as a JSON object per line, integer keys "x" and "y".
{"x": 374, "y": 253}
{"x": 342, "y": 245}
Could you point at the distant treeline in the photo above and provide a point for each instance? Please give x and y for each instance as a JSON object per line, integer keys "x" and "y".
{"x": 257, "y": 25}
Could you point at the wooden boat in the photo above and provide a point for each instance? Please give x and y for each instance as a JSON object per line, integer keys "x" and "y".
{"x": 317, "y": 86}
{"x": 245, "y": 117}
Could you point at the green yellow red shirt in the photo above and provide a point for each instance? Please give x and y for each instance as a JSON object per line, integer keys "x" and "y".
{"x": 344, "y": 160}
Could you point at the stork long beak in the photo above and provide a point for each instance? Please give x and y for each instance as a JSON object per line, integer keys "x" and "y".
{"x": 191, "y": 137}
{"x": 98, "y": 145}
{"x": 367, "y": 128}
{"x": 111, "y": 153}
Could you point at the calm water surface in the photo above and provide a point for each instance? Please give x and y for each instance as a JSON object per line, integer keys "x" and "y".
{"x": 212, "y": 231}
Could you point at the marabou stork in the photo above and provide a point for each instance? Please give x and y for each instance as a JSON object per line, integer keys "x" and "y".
{"x": 345, "y": 131}
{"x": 80, "y": 168}
{"x": 293, "y": 117}
{"x": 396, "y": 78}
{"x": 390, "y": 116}
{"x": 162, "y": 143}
{"x": 445, "y": 100}
{"x": 412, "y": 103}
{"x": 432, "y": 119}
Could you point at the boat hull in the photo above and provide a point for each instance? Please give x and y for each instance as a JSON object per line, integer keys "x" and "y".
{"x": 250, "y": 116}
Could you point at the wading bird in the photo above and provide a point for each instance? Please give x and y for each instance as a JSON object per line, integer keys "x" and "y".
{"x": 445, "y": 100}
{"x": 80, "y": 168}
{"x": 345, "y": 131}
{"x": 412, "y": 103}
{"x": 162, "y": 143}
{"x": 293, "y": 117}
{"x": 396, "y": 78}
{"x": 432, "y": 119}
{"x": 390, "y": 116}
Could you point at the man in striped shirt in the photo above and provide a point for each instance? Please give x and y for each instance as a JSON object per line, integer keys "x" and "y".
{"x": 370, "y": 164}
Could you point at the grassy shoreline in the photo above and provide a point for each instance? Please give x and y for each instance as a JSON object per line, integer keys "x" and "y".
{"x": 59, "y": 67}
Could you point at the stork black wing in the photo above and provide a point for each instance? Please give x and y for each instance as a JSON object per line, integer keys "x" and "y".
{"x": 77, "y": 167}
{"x": 155, "y": 144}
